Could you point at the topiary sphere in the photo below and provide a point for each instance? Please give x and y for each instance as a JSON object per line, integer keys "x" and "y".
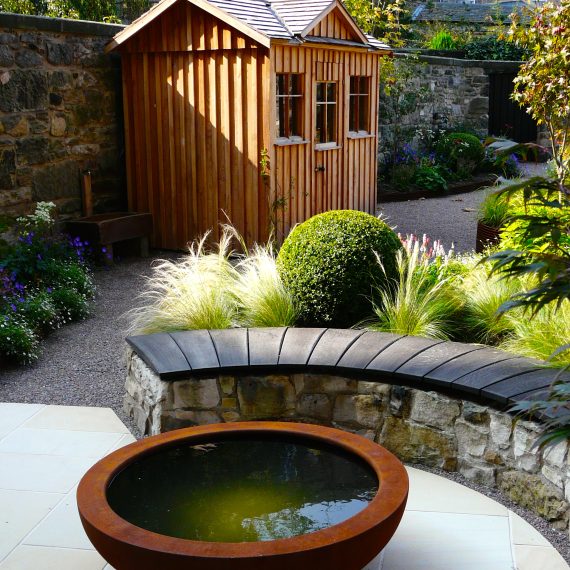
{"x": 328, "y": 264}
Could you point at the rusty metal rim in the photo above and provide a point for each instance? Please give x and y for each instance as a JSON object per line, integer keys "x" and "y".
{"x": 96, "y": 512}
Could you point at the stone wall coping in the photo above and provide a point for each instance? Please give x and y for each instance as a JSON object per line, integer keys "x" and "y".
{"x": 488, "y": 65}
{"x": 58, "y": 25}
{"x": 466, "y": 371}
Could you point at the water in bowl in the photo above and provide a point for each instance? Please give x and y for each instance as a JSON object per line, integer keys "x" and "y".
{"x": 243, "y": 490}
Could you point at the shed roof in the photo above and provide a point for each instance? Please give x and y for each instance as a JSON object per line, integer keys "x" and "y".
{"x": 262, "y": 20}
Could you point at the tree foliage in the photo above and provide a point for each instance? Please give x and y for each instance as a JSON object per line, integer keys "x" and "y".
{"x": 543, "y": 83}
{"x": 94, "y": 10}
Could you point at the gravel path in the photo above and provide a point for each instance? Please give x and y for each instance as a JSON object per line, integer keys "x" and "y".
{"x": 450, "y": 219}
{"x": 83, "y": 363}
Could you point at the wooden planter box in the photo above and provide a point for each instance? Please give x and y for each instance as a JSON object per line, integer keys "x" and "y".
{"x": 486, "y": 236}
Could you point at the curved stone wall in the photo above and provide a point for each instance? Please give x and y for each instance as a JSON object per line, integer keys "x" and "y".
{"x": 444, "y": 429}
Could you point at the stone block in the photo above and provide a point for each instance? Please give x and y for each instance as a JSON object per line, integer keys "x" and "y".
{"x": 60, "y": 180}
{"x": 59, "y": 54}
{"x": 375, "y": 388}
{"x": 419, "y": 444}
{"x": 501, "y": 428}
{"x": 532, "y": 492}
{"x": 555, "y": 455}
{"x": 554, "y": 474}
{"x": 524, "y": 446}
{"x": 475, "y": 414}
{"x": 58, "y": 126}
{"x": 27, "y": 58}
{"x": 324, "y": 384}
{"x": 143, "y": 384}
{"x": 196, "y": 393}
{"x": 363, "y": 410}
{"x": 23, "y": 91}
{"x": 7, "y": 168}
{"x": 229, "y": 402}
{"x": 471, "y": 439}
{"x": 478, "y": 106}
{"x": 314, "y": 406}
{"x": 187, "y": 418}
{"x": 230, "y": 416}
{"x": 432, "y": 409}
{"x": 6, "y": 56}
{"x": 266, "y": 397}
{"x": 481, "y": 474}
{"x": 400, "y": 397}
{"x": 227, "y": 385}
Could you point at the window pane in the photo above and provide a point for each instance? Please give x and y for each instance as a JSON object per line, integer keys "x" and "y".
{"x": 352, "y": 116}
{"x": 364, "y": 85}
{"x": 320, "y": 126}
{"x": 296, "y": 117}
{"x": 295, "y": 84}
{"x": 320, "y": 92}
{"x": 364, "y": 109}
{"x": 331, "y": 123}
{"x": 280, "y": 121}
{"x": 281, "y": 84}
{"x": 331, "y": 92}
{"x": 353, "y": 84}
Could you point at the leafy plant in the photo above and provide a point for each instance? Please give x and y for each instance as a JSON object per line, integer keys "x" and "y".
{"x": 416, "y": 304}
{"x": 40, "y": 312}
{"x": 443, "y": 40}
{"x": 493, "y": 48}
{"x": 429, "y": 177}
{"x": 328, "y": 264}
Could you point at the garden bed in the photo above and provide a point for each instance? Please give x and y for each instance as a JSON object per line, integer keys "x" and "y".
{"x": 461, "y": 187}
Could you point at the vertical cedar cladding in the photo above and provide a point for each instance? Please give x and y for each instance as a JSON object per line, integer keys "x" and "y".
{"x": 196, "y": 94}
{"x": 307, "y": 180}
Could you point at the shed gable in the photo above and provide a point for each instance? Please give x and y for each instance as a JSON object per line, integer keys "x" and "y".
{"x": 334, "y": 25}
{"x": 184, "y": 27}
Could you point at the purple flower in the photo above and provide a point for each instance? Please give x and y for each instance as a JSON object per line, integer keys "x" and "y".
{"x": 49, "y": 289}
{"x": 13, "y": 307}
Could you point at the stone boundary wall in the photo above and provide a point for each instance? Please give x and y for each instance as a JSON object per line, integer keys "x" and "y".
{"x": 60, "y": 114}
{"x": 458, "y": 97}
{"x": 485, "y": 445}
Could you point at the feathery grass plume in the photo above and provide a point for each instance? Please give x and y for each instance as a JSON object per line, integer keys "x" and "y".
{"x": 483, "y": 296}
{"x": 418, "y": 304}
{"x": 192, "y": 293}
{"x": 539, "y": 335}
{"x": 262, "y": 298}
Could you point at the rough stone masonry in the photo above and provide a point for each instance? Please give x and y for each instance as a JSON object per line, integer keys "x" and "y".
{"x": 60, "y": 114}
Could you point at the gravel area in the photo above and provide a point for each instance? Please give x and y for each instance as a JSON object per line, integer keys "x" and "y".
{"x": 450, "y": 219}
{"x": 83, "y": 363}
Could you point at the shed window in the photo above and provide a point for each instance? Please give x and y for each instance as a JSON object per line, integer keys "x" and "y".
{"x": 289, "y": 105}
{"x": 359, "y": 105}
{"x": 326, "y": 131}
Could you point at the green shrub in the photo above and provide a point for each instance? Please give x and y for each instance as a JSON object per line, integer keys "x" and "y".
{"x": 402, "y": 176}
{"x": 462, "y": 152}
{"x": 39, "y": 312}
{"x": 443, "y": 40}
{"x": 329, "y": 265}
{"x": 429, "y": 177}
{"x": 70, "y": 305}
{"x": 18, "y": 342}
{"x": 71, "y": 276}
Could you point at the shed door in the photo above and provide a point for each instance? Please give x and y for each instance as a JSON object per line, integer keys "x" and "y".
{"x": 327, "y": 135}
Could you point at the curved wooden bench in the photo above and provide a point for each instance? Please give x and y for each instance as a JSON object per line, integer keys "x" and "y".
{"x": 465, "y": 371}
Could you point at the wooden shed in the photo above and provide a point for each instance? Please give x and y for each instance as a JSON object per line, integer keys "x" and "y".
{"x": 261, "y": 112}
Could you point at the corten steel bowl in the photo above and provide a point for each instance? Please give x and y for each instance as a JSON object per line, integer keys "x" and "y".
{"x": 349, "y": 545}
